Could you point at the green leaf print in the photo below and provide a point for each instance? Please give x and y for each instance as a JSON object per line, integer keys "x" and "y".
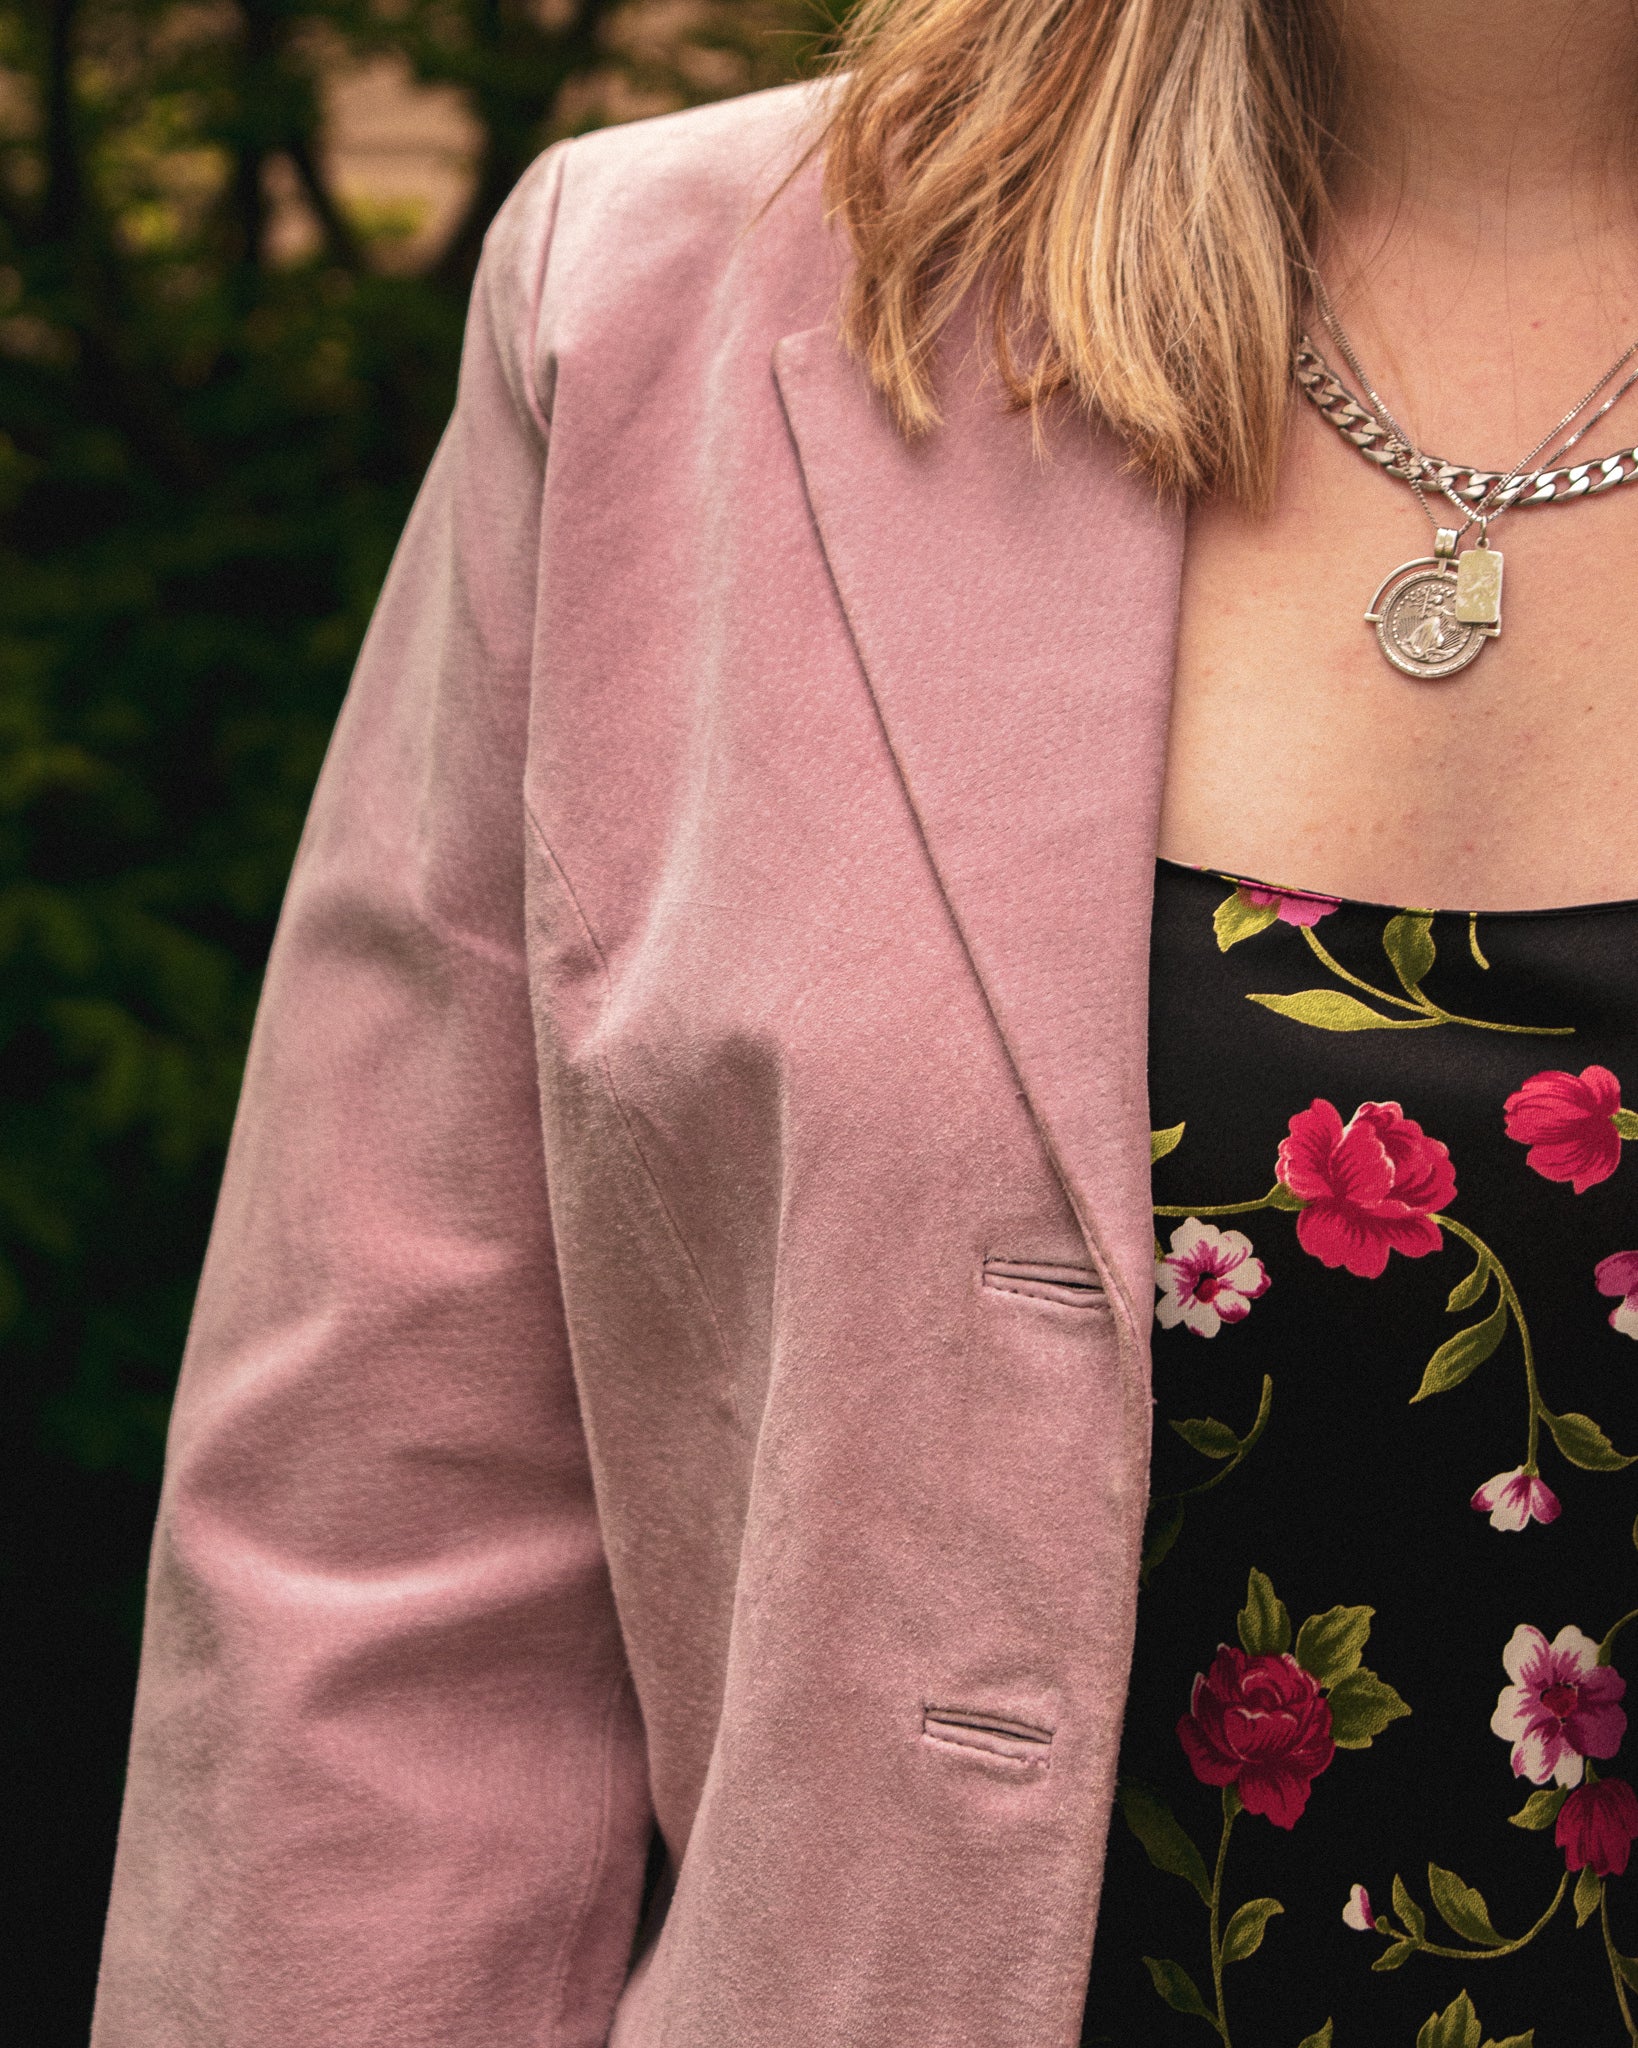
{"x": 1456, "y": 2027}
{"x": 1408, "y": 943}
{"x": 1408, "y": 1910}
{"x": 1466, "y": 1292}
{"x": 1362, "y": 1705}
{"x": 1589, "y": 1892}
{"x": 1329, "y": 1645}
{"x": 1462, "y": 1908}
{"x": 1540, "y": 1810}
{"x": 1328, "y": 1009}
{"x": 1264, "y": 1624}
{"x": 1164, "y": 1841}
{"x": 1210, "y": 1438}
{"x": 1236, "y": 919}
{"x": 1320, "y": 2040}
{"x": 1162, "y": 1142}
{"x": 1176, "y": 1986}
{"x": 1581, "y": 1440}
{"x": 1462, "y": 1354}
{"x": 1243, "y": 1936}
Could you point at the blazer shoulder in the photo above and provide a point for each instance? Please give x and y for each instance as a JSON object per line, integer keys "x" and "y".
{"x": 630, "y": 235}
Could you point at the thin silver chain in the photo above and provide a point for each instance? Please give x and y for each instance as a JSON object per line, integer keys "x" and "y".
{"x": 1401, "y": 456}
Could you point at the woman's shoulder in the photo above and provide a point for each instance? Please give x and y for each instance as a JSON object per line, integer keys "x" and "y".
{"x": 629, "y": 233}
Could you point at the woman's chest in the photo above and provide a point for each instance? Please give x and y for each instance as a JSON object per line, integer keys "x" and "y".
{"x": 1298, "y": 750}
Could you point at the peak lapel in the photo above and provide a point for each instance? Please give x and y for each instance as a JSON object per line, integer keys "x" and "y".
{"x": 1016, "y": 619}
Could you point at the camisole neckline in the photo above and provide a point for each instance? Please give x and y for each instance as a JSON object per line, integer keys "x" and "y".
{"x": 1296, "y": 890}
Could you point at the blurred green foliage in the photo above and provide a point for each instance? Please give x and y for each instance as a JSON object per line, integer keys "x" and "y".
{"x": 220, "y": 382}
{"x": 207, "y": 447}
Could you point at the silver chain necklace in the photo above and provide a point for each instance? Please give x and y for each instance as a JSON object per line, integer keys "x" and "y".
{"x": 1433, "y": 615}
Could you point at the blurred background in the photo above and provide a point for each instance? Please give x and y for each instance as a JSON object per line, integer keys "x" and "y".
{"x": 236, "y": 238}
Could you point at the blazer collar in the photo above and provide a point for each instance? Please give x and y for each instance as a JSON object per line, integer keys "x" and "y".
{"x": 1015, "y": 615}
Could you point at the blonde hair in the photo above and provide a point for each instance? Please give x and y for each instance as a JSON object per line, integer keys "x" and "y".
{"x": 1127, "y": 186}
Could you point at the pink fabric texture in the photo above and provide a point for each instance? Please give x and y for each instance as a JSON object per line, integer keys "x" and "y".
{"x": 722, "y": 926}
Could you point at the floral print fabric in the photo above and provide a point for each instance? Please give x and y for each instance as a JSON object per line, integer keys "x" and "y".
{"x": 1376, "y": 1780}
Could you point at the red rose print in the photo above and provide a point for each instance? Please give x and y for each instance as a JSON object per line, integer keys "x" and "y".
{"x": 1368, "y": 1187}
{"x": 1292, "y": 906}
{"x": 1568, "y": 1122}
{"x": 1597, "y": 1826}
{"x": 1261, "y": 1724}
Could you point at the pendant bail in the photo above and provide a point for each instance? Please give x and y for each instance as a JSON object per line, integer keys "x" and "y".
{"x": 1444, "y": 542}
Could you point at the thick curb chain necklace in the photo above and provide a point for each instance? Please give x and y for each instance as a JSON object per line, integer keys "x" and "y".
{"x": 1433, "y": 615}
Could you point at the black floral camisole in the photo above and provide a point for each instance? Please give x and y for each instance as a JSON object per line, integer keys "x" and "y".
{"x": 1376, "y": 1777}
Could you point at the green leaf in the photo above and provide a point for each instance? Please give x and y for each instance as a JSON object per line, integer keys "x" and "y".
{"x": 1165, "y": 1844}
{"x": 1362, "y": 1705}
{"x": 1330, "y": 1645}
{"x": 1456, "y": 2027}
{"x": 1165, "y": 1533}
{"x": 1243, "y": 1936}
{"x": 1264, "y": 1624}
{"x": 1328, "y": 1009}
{"x": 1211, "y": 1439}
{"x": 1162, "y": 1142}
{"x": 1539, "y": 1811}
{"x": 1626, "y": 1122}
{"x": 1175, "y": 1985}
{"x": 1462, "y": 1354}
{"x": 1462, "y": 1908}
{"x": 1584, "y": 1443}
{"x": 1391, "y": 1958}
{"x": 1320, "y": 2040}
{"x": 1408, "y": 943}
{"x": 1236, "y": 919}
{"x": 1515, "y": 2041}
{"x": 1589, "y": 1889}
{"x": 1408, "y": 1910}
{"x": 1466, "y": 1292}
{"x": 1628, "y": 1966}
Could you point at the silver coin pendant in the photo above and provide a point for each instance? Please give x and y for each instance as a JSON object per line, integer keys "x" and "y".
{"x": 1414, "y": 613}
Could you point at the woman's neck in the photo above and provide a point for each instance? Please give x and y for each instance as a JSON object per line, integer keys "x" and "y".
{"x": 1483, "y": 249}
{"x": 1474, "y": 105}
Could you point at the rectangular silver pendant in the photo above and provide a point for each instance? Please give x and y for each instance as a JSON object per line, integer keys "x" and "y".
{"x": 1478, "y": 587}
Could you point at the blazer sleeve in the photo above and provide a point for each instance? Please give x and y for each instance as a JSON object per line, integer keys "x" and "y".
{"x": 387, "y": 1780}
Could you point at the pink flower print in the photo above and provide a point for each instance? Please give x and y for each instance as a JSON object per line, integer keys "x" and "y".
{"x": 1367, "y": 1187}
{"x": 1293, "y": 906}
{"x": 1513, "y": 1500}
{"x": 1618, "y": 1274}
{"x": 1260, "y": 1723}
{"x": 1209, "y": 1278}
{"x": 1568, "y": 1122}
{"x": 1562, "y": 1706}
{"x": 1357, "y": 1913}
{"x": 1597, "y": 1826}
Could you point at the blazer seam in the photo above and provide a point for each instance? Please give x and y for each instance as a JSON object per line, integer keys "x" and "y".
{"x": 624, "y": 1115}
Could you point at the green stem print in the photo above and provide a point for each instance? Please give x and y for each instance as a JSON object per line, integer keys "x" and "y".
{"x": 1623, "y": 1969}
{"x": 1408, "y": 942}
{"x": 1579, "y": 1439}
{"x": 1330, "y": 1703}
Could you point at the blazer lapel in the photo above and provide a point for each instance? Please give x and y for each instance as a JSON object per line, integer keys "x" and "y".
{"x": 1015, "y": 615}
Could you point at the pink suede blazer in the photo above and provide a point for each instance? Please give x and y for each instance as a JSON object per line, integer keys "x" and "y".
{"x": 674, "y": 1345}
